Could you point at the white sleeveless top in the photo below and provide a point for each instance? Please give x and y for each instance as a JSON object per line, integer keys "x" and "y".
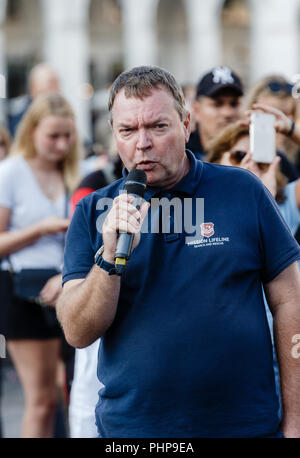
{"x": 20, "y": 192}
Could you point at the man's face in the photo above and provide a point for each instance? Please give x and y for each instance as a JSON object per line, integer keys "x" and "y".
{"x": 150, "y": 136}
{"x": 214, "y": 113}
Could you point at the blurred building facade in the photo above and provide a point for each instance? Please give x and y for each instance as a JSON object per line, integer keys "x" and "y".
{"x": 89, "y": 42}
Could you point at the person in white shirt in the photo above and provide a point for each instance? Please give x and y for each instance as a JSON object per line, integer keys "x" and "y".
{"x": 35, "y": 182}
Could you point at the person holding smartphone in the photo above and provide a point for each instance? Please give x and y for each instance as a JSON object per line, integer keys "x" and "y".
{"x": 232, "y": 148}
{"x": 275, "y": 91}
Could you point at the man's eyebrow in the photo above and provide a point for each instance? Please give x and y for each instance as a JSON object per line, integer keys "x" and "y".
{"x": 133, "y": 124}
{"x": 159, "y": 120}
{"x": 126, "y": 124}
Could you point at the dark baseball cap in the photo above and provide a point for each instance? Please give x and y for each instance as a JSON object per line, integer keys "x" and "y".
{"x": 217, "y": 79}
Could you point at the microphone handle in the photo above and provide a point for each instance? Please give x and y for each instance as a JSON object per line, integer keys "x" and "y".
{"x": 124, "y": 244}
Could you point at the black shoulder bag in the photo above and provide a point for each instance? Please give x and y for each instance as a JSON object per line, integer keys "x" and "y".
{"x": 28, "y": 283}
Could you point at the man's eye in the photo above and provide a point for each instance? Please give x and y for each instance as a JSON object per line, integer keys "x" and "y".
{"x": 160, "y": 126}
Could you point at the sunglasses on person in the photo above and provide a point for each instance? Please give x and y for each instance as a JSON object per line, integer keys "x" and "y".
{"x": 277, "y": 86}
{"x": 236, "y": 156}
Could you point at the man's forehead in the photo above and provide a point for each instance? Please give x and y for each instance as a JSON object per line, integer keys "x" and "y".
{"x": 159, "y": 102}
{"x": 148, "y": 93}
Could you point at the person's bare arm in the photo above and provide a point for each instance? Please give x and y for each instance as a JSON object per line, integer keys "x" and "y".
{"x": 87, "y": 308}
{"x": 283, "y": 295}
{"x": 11, "y": 242}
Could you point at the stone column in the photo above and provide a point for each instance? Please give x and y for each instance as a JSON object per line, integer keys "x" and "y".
{"x": 3, "y": 69}
{"x": 67, "y": 50}
{"x": 204, "y": 35}
{"x": 274, "y": 40}
{"x": 139, "y": 32}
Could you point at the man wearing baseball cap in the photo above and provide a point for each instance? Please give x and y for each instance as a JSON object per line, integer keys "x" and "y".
{"x": 217, "y": 104}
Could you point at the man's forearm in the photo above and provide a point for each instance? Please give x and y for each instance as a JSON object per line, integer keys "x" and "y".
{"x": 86, "y": 310}
{"x": 287, "y": 325}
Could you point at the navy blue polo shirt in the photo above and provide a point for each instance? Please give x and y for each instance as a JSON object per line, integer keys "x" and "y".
{"x": 189, "y": 352}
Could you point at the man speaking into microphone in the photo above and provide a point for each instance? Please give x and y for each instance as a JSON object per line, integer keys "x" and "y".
{"x": 185, "y": 348}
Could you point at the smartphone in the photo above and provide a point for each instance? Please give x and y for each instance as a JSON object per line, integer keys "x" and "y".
{"x": 262, "y": 137}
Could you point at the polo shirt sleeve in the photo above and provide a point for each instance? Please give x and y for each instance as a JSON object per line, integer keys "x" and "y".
{"x": 278, "y": 246}
{"x": 79, "y": 253}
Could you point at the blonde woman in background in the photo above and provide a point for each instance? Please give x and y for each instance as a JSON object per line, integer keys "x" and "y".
{"x": 35, "y": 182}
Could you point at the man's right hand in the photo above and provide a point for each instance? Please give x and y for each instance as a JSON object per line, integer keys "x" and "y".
{"x": 123, "y": 216}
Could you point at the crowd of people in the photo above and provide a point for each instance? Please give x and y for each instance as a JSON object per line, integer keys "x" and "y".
{"x": 138, "y": 339}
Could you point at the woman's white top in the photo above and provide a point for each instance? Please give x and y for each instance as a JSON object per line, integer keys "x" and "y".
{"x": 21, "y": 192}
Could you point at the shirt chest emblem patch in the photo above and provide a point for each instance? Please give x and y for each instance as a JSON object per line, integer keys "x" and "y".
{"x": 206, "y": 239}
{"x": 207, "y": 229}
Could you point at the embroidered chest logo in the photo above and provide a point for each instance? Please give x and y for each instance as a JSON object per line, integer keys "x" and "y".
{"x": 207, "y": 229}
{"x": 207, "y": 240}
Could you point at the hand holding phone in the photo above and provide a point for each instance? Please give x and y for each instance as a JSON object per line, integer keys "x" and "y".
{"x": 262, "y": 137}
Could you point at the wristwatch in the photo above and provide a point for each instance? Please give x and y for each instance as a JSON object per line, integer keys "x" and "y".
{"x": 107, "y": 266}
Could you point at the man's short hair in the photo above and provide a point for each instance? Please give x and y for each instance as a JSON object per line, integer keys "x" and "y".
{"x": 139, "y": 81}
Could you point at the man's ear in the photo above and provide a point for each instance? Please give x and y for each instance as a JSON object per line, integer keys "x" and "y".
{"x": 187, "y": 126}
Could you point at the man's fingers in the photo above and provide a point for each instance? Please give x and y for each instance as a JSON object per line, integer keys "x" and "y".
{"x": 144, "y": 210}
{"x": 126, "y": 226}
{"x": 122, "y": 219}
{"x": 134, "y": 220}
{"x": 126, "y": 206}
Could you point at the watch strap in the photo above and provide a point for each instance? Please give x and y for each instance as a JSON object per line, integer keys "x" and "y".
{"x": 107, "y": 266}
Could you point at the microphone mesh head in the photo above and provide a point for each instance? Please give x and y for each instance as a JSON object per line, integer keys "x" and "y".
{"x": 136, "y": 182}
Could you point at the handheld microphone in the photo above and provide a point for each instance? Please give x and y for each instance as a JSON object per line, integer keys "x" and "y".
{"x": 135, "y": 185}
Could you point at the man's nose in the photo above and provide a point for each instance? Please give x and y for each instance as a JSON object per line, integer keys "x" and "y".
{"x": 144, "y": 139}
{"x": 230, "y": 112}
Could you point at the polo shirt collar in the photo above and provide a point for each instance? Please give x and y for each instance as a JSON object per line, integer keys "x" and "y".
{"x": 187, "y": 185}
